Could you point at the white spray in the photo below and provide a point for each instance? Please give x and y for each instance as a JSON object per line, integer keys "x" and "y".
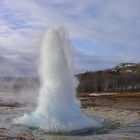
{"x": 57, "y": 108}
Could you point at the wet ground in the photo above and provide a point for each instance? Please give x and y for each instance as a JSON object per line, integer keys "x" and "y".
{"x": 125, "y": 120}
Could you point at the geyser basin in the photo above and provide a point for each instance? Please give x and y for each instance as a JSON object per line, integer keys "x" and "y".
{"x": 57, "y": 110}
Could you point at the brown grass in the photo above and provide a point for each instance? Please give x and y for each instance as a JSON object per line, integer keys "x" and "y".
{"x": 110, "y": 100}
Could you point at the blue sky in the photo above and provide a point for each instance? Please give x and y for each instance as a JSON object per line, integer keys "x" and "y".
{"x": 104, "y": 32}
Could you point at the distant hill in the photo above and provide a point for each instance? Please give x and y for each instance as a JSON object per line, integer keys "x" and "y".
{"x": 124, "y": 77}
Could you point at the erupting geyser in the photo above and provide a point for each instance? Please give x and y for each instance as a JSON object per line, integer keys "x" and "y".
{"x": 57, "y": 110}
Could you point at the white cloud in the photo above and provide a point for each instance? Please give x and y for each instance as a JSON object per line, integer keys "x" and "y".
{"x": 17, "y": 40}
{"x": 20, "y": 26}
{"x": 102, "y": 21}
{"x": 107, "y": 22}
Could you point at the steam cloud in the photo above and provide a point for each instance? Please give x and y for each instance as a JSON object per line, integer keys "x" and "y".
{"x": 57, "y": 108}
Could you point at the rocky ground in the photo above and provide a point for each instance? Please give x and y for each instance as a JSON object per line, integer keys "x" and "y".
{"x": 126, "y": 122}
{"x": 117, "y": 115}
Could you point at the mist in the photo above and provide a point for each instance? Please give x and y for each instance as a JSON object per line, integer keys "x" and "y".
{"x": 57, "y": 109}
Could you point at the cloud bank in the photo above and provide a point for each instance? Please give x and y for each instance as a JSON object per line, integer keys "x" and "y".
{"x": 104, "y": 32}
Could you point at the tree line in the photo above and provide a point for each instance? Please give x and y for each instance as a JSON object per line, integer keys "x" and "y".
{"x": 108, "y": 81}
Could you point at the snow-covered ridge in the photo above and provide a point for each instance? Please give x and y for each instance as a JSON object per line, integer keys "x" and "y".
{"x": 127, "y": 67}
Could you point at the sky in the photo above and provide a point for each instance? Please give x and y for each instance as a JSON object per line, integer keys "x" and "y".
{"x": 103, "y": 32}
